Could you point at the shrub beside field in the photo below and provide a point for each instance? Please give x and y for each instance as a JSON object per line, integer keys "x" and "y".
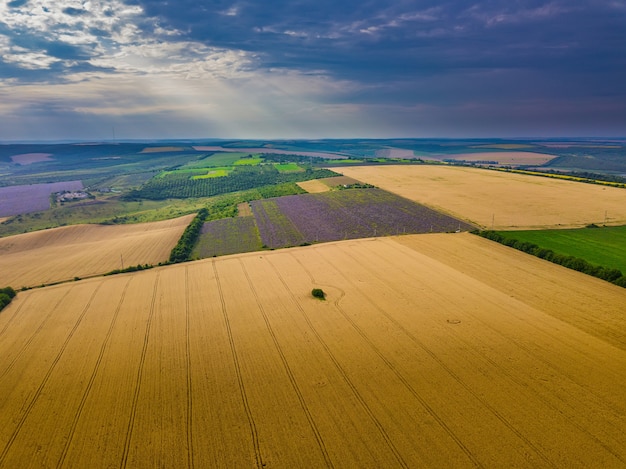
{"x": 571, "y": 262}
{"x": 6, "y": 296}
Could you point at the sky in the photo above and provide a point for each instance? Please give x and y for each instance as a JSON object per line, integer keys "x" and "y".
{"x": 251, "y": 69}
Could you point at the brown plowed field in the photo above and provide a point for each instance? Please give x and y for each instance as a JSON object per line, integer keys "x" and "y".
{"x": 499, "y": 200}
{"x": 81, "y": 250}
{"x": 429, "y": 351}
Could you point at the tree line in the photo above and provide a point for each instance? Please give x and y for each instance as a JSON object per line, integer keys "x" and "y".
{"x": 182, "y": 251}
{"x": 571, "y": 262}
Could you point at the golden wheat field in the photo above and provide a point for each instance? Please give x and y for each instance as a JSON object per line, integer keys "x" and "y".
{"x": 499, "y": 200}
{"x": 314, "y": 186}
{"x": 58, "y": 254}
{"x": 418, "y": 357}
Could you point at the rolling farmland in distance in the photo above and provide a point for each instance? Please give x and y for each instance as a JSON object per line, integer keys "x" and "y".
{"x": 59, "y": 254}
{"x": 429, "y": 351}
{"x": 499, "y": 200}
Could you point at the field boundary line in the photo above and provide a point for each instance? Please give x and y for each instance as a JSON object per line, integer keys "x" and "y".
{"x": 190, "y": 460}
{"x": 92, "y": 378}
{"x": 133, "y": 411}
{"x": 341, "y": 371}
{"x": 34, "y": 334}
{"x": 242, "y": 389}
{"x": 292, "y": 378}
{"x": 53, "y": 365}
{"x": 12, "y": 318}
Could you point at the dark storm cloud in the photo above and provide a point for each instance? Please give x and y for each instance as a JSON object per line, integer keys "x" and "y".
{"x": 517, "y": 64}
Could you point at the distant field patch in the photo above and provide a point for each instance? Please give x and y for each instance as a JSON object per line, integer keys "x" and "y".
{"x": 515, "y": 158}
{"x": 161, "y": 149}
{"x": 58, "y": 254}
{"x": 15, "y": 200}
{"x": 271, "y": 151}
{"x": 288, "y": 167}
{"x": 248, "y": 162}
{"x": 218, "y": 159}
{"x": 30, "y": 158}
{"x": 347, "y": 214}
{"x": 314, "y": 186}
{"x": 504, "y": 146}
{"x": 244, "y": 209}
{"x": 339, "y": 181}
{"x": 227, "y": 236}
{"x": 214, "y": 173}
{"x": 395, "y": 153}
{"x": 499, "y": 200}
{"x": 604, "y": 246}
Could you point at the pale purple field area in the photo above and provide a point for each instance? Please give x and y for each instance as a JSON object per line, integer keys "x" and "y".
{"x": 15, "y": 200}
{"x": 347, "y": 214}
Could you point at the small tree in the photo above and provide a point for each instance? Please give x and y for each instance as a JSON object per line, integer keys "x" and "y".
{"x": 318, "y": 293}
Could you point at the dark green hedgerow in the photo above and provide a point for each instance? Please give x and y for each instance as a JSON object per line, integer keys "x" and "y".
{"x": 6, "y": 295}
{"x": 605, "y": 273}
{"x": 186, "y": 243}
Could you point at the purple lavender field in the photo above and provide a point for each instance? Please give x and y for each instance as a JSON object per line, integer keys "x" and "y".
{"x": 15, "y": 200}
{"x": 347, "y": 214}
{"x": 227, "y": 236}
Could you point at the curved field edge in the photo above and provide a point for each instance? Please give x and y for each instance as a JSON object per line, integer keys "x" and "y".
{"x": 427, "y": 350}
{"x": 65, "y": 253}
{"x": 499, "y": 200}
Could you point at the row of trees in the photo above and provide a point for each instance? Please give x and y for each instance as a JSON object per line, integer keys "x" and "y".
{"x": 571, "y": 262}
{"x": 182, "y": 251}
{"x": 6, "y": 295}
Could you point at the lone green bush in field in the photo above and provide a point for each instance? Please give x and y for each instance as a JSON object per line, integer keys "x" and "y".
{"x": 318, "y": 293}
{"x": 6, "y": 295}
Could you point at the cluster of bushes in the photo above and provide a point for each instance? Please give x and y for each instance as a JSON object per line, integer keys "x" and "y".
{"x": 132, "y": 268}
{"x": 6, "y": 295}
{"x": 571, "y": 262}
{"x": 182, "y": 251}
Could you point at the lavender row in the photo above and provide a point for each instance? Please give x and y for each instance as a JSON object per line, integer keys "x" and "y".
{"x": 347, "y": 214}
{"x": 227, "y": 236}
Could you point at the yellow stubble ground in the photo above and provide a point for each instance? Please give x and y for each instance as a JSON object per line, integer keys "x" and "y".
{"x": 499, "y": 200}
{"x": 314, "y": 186}
{"x": 82, "y": 250}
{"x": 428, "y": 352}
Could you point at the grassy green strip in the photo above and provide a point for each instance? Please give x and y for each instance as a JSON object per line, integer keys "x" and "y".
{"x": 6, "y": 295}
{"x": 182, "y": 251}
{"x": 571, "y": 262}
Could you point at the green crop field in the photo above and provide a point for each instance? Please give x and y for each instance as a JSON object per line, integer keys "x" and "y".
{"x": 248, "y": 162}
{"x": 214, "y": 173}
{"x": 604, "y": 246}
{"x": 287, "y": 167}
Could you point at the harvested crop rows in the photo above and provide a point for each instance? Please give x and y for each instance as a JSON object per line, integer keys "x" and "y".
{"x": 499, "y": 200}
{"x": 416, "y": 359}
{"x": 59, "y": 254}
